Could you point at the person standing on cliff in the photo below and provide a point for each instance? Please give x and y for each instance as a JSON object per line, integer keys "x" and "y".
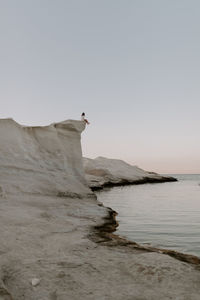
{"x": 83, "y": 118}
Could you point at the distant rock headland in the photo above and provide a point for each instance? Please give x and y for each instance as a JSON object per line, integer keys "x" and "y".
{"x": 103, "y": 172}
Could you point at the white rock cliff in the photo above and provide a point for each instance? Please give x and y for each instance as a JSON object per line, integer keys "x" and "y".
{"x": 42, "y": 160}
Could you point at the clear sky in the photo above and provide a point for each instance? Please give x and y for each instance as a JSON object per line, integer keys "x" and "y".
{"x": 133, "y": 66}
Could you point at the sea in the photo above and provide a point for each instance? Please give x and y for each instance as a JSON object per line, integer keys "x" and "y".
{"x": 163, "y": 215}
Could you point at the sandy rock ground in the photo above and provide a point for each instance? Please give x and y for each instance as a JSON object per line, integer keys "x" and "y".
{"x": 53, "y": 239}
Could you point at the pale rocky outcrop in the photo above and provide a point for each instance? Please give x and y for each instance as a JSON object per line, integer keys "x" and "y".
{"x": 42, "y": 160}
{"x": 67, "y": 242}
{"x": 101, "y": 172}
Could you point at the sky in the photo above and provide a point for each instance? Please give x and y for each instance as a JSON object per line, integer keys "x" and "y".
{"x": 133, "y": 66}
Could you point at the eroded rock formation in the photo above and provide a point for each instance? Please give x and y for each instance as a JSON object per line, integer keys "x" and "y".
{"x": 43, "y": 160}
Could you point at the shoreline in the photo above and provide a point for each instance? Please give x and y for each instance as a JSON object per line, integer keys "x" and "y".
{"x": 106, "y": 231}
{"x": 104, "y": 234}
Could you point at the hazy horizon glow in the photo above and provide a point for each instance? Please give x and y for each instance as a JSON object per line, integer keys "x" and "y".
{"x": 132, "y": 66}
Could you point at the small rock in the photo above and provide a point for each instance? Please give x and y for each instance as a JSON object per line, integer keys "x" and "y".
{"x": 2, "y": 193}
{"x": 35, "y": 281}
{"x": 61, "y": 274}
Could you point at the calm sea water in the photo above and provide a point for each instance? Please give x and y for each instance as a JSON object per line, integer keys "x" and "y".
{"x": 165, "y": 215}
